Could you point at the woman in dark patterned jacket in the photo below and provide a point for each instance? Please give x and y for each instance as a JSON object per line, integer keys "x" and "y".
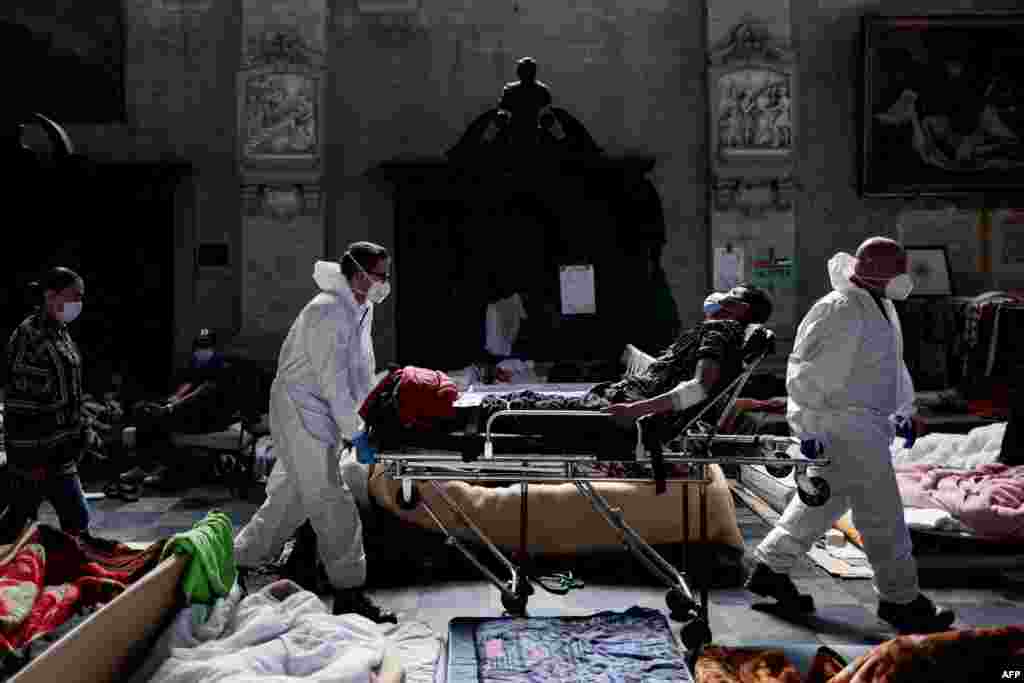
{"x": 43, "y": 406}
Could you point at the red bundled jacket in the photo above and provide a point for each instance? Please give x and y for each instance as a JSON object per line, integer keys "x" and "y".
{"x": 423, "y": 396}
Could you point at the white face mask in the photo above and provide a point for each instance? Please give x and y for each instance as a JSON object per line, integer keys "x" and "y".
{"x": 69, "y": 311}
{"x": 899, "y": 288}
{"x": 202, "y": 356}
{"x": 378, "y": 291}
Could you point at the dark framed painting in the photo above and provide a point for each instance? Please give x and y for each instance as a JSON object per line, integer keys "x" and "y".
{"x": 930, "y": 270}
{"x": 66, "y": 59}
{"x": 942, "y": 105}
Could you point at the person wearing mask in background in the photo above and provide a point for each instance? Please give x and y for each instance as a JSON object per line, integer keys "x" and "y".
{"x": 45, "y": 431}
{"x": 325, "y": 370}
{"x": 202, "y": 402}
{"x": 849, "y": 394}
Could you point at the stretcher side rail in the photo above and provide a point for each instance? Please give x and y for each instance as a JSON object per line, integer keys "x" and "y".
{"x": 780, "y": 445}
{"x": 696, "y": 440}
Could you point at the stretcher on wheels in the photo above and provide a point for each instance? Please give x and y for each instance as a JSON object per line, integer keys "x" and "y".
{"x": 684, "y": 460}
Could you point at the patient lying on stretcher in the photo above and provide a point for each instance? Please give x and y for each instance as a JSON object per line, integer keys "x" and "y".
{"x": 708, "y": 356}
{"x": 704, "y": 360}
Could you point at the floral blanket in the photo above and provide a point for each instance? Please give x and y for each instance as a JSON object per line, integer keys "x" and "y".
{"x": 47, "y": 575}
{"x": 717, "y": 664}
{"x": 970, "y": 655}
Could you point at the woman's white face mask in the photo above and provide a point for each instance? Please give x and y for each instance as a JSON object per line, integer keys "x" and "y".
{"x": 202, "y": 356}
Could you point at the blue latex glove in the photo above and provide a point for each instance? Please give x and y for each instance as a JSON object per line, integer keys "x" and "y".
{"x": 813, "y": 445}
{"x": 904, "y": 429}
{"x": 365, "y": 454}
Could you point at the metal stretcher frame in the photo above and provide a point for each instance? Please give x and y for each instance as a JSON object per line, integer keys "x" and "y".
{"x": 698, "y": 441}
{"x": 583, "y": 470}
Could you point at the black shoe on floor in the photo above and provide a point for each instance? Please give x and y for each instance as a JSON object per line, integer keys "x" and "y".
{"x": 355, "y": 601}
{"x": 920, "y": 616}
{"x": 771, "y": 584}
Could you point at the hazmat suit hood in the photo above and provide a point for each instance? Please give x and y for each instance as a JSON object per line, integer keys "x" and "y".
{"x": 328, "y": 276}
{"x": 840, "y": 269}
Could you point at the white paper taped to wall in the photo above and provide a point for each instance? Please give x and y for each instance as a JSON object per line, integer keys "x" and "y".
{"x": 728, "y": 267}
{"x": 578, "y": 296}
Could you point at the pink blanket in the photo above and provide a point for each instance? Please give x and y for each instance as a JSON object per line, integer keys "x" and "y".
{"x": 988, "y": 499}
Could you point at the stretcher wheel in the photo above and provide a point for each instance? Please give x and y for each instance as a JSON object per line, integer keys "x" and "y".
{"x": 817, "y": 492}
{"x": 779, "y": 471}
{"x": 694, "y": 634}
{"x": 408, "y": 501}
{"x": 679, "y": 605}
{"x": 515, "y": 604}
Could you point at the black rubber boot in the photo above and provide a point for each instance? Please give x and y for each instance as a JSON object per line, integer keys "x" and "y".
{"x": 771, "y": 584}
{"x": 355, "y": 601}
{"x": 920, "y": 616}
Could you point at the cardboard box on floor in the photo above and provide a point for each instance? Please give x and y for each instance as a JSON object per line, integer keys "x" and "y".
{"x": 101, "y": 648}
{"x": 114, "y": 640}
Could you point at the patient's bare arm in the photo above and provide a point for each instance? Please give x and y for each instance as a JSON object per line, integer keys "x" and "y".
{"x": 706, "y": 377}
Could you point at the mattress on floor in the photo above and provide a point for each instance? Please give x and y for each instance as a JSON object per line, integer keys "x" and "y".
{"x": 777, "y": 492}
{"x": 633, "y": 645}
{"x": 560, "y": 521}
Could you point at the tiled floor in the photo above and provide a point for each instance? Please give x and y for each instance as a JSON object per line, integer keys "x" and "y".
{"x": 845, "y": 615}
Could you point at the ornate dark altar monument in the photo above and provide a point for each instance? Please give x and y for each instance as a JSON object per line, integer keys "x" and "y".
{"x": 524, "y": 191}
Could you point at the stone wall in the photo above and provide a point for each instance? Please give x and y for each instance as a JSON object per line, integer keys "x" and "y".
{"x": 830, "y": 215}
{"x": 407, "y": 85}
{"x": 632, "y": 72}
{"x": 180, "y": 63}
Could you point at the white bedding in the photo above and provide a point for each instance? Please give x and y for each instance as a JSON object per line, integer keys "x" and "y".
{"x": 980, "y": 446}
{"x": 283, "y": 633}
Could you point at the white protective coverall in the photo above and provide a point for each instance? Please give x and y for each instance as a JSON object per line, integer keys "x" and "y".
{"x": 324, "y": 373}
{"x": 845, "y": 378}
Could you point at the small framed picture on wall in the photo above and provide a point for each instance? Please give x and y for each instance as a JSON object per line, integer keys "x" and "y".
{"x": 929, "y": 268}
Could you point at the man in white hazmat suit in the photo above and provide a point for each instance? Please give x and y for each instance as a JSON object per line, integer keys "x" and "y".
{"x": 325, "y": 370}
{"x": 850, "y": 393}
